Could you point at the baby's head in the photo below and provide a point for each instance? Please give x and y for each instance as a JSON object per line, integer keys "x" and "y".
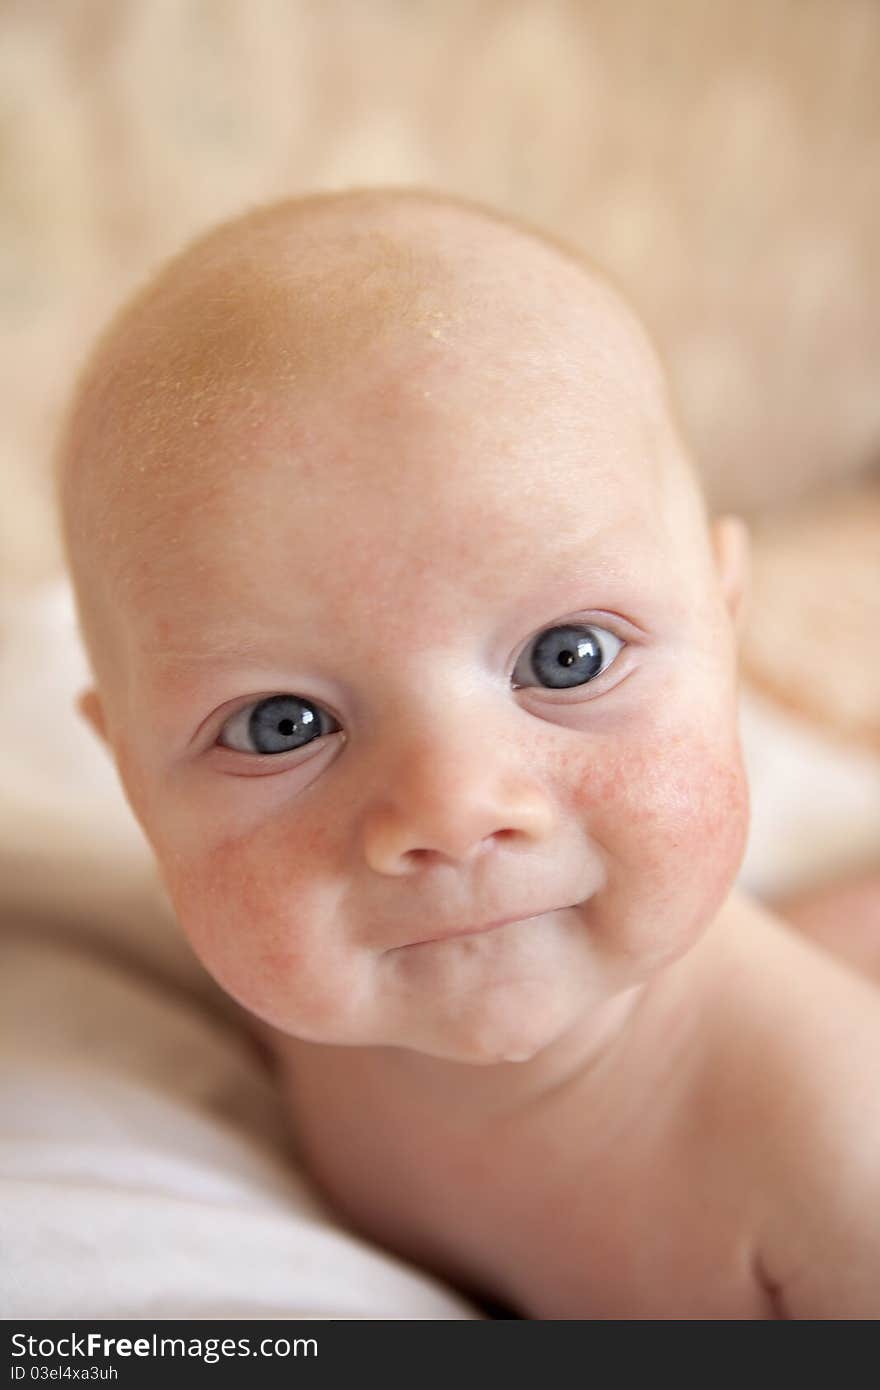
{"x": 406, "y": 620}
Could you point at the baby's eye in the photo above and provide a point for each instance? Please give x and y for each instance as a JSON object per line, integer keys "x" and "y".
{"x": 275, "y": 725}
{"x": 572, "y": 654}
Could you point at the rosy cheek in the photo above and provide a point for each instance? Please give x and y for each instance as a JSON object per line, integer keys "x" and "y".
{"x": 245, "y": 911}
{"x": 671, "y": 818}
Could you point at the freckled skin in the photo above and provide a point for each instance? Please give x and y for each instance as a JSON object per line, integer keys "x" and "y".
{"x": 303, "y": 488}
{"x": 664, "y": 818}
{"x": 700, "y": 806}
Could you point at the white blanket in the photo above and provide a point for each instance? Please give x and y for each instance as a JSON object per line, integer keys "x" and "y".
{"x": 144, "y": 1168}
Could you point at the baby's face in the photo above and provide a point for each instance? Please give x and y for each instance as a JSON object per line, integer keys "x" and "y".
{"x": 424, "y": 696}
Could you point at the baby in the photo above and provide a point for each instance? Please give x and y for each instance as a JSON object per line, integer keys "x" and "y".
{"x": 416, "y": 653}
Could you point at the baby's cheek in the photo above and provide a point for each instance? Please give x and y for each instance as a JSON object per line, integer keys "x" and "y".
{"x": 672, "y": 819}
{"x": 256, "y": 925}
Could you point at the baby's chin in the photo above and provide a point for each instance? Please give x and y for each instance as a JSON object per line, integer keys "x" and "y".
{"x": 514, "y": 1028}
{"x": 509, "y": 1023}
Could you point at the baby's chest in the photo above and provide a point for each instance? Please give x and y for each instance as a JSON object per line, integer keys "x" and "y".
{"x": 638, "y": 1244}
{"x": 629, "y": 1240}
{"x": 648, "y": 1221}
{"x": 533, "y": 1225}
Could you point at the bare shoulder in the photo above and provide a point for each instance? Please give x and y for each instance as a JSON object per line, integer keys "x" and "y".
{"x": 763, "y": 975}
{"x": 796, "y": 1058}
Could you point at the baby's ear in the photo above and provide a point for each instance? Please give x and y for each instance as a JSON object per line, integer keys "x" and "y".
{"x": 730, "y": 542}
{"x": 92, "y": 711}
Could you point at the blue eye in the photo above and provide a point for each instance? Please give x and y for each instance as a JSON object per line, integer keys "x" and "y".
{"x": 566, "y": 656}
{"x": 275, "y": 725}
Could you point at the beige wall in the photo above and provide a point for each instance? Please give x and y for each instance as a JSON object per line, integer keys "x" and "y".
{"x": 722, "y": 157}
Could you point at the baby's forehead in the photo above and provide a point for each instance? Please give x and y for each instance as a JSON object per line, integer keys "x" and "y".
{"x": 297, "y": 304}
{"x": 351, "y": 347}
{"x": 437, "y": 360}
{"x": 460, "y": 511}
{"x": 438, "y": 426}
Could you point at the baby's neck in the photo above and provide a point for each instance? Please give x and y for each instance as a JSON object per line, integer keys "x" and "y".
{"x": 505, "y": 1087}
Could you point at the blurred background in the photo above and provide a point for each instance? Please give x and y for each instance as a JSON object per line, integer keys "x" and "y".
{"x": 721, "y": 159}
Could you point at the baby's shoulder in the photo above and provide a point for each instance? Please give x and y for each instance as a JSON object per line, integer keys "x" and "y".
{"x": 786, "y": 1029}
{"x": 792, "y": 1078}
{"x": 778, "y": 1006}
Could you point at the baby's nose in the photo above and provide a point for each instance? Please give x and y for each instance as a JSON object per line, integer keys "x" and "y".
{"x": 444, "y": 807}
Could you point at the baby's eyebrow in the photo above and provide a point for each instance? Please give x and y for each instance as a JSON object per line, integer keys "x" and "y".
{"x": 200, "y": 634}
{"x": 586, "y": 587}
{"x": 164, "y": 662}
{"x": 265, "y": 641}
{"x": 226, "y": 652}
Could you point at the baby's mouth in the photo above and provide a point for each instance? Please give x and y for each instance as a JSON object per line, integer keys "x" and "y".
{"x": 483, "y": 929}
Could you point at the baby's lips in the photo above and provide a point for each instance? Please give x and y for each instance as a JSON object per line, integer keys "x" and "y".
{"x": 454, "y": 931}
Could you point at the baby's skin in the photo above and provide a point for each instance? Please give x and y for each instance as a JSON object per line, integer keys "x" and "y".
{"x": 416, "y": 651}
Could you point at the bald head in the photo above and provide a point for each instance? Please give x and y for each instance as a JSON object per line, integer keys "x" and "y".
{"x": 292, "y": 290}
{"x": 390, "y": 295}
